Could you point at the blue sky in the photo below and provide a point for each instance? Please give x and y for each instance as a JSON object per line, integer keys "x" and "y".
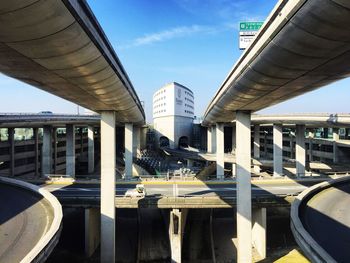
{"x": 193, "y": 42}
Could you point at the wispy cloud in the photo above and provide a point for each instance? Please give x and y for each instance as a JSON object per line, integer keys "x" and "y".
{"x": 176, "y": 32}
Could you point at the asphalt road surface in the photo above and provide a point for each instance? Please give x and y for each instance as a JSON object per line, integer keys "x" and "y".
{"x": 327, "y": 219}
{"x": 24, "y": 219}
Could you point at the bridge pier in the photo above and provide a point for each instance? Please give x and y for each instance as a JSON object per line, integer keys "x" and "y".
{"x": 256, "y": 153}
{"x": 335, "y": 146}
{"x": 311, "y": 137}
{"x": 108, "y": 161}
{"x": 46, "y": 153}
{"x": 277, "y": 150}
{"x": 300, "y": 150}
{"x": 213, "y": 139}
{"x": 91, "y": 150}
{"x": 128, "y": 150}
{"x": 244, "y": 202}
{"x": 92, "y": 230}
{"x": 36, "y": 151}
{"x": 176, "y": 230}
{"x": 259, "y": 231}
{"x": 209, "y": 139}
{"x": 54, "y": 133}
{"x": 220, "y": 151}
{"x": 234, "y": 149}
{"x": 70, "y": 150}
{"x": 11, "y": 138}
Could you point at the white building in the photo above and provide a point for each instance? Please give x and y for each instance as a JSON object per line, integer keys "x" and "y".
{"x": 173, "y": 114}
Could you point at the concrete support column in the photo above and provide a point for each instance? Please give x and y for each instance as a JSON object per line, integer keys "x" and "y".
{"x": 189, "y": 163}
{"x": 11, "y": 138}
{"x": 244, "y": 202}
{"x": 209, "y": 140}
{"x": 92, "y": 230}
{"x": 136, "y": 141}
{"x": 234, "y": 149}
{"x": 311, "y": 137}
{"x": 81, "y": 141}
{"x": 213, "y": 139}
{"x": 300, "y": 149}
{"x": 54, "y": 133}
{"x": 128, "y": 150}
{"x": 108, "y": 160}
{"x": 91, "y": 150}
{"x": 277, "y": 150}
{"x": 46, "y": 153}
{"x": 256, "y": 147}
{"x": 335, "y": 146}
{"x": 259, "y": 231}
{"x": 265, "y": 144}
{"x": 70, "y": 150}
{"x": 176, "y": 230}
{"x": 36, "y": 151}
{"x": 220, "y": 151}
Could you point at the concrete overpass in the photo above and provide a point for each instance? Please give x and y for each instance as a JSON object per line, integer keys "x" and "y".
{"x": 303, "y": 45}
{"x": 59, "y": 46}
{"x": 30, "y": 222}
{"x": 320, "y": 221}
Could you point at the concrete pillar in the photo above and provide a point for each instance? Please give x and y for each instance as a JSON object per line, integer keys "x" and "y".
{"x": 128, "y": 150}
{"x": 176, "y": 230}
{"x": 277, "y": 150}
{"x": 213, "y": 139}
{"x": 46, "y": 153}
{"x": 54, "y": 133}
{"x": 300, "y": 150}
{"x": 189, "y": 163}
{"x": 36, "y": 151}
{"x": 136, "y": 141}
{"x": 325, "y": 133}
{"x": 209, "y": 140}
{"x": 259, "y": 231}
{"x": 220, "y": 151}
{"x": 244, "y": 202}
{"x": 311, "y": 137}
{"x": 91, "y": 150}
{"x": 81, "y": 141}
{"x": 234, "y": 149}
{"x": 265, "y": 144}
{"x": 108, "y": 160}
{"x": 256, "y": 147}
{"x": 70, "y": 150}
{"x": 335, "y": 145}
{"x": 92, "y": 230}
{"x": 11, "y": 138}
{"x": 291, "y": 146}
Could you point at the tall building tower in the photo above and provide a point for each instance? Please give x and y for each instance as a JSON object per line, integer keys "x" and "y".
{"x": 173, "y": 114}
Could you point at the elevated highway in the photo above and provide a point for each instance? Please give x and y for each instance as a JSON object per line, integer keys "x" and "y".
{"x": 59, "y": 46}
{"x": 30, "y": 220}
{"x": 303, "y": 45}
{"x": 182, "y": 194}
{"x": 320, "y": 221}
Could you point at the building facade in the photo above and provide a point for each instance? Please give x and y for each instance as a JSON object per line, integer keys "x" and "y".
{"x": 173, "y": 114}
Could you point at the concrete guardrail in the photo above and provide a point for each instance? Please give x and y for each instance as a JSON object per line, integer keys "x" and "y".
{"x": 44, "y": 247}
{"x": 306, "y": 242}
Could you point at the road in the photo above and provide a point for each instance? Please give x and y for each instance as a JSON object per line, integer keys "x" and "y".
{"x": 327, "y": 219}
{"x": 180, "y": 189}
{"x": 24, "y": 219}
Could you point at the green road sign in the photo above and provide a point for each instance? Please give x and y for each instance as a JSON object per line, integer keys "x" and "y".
{"x": 250, "y": 26}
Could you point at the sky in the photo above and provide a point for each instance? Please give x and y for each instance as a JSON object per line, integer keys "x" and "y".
{"x": 192, "y": 42}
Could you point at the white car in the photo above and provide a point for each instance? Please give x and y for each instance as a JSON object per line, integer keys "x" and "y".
{"x": 139, "y": 191}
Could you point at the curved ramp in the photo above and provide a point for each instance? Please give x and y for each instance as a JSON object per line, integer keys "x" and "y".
{"x": 320, "y": 221}
{"x": 30, "y": 222}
